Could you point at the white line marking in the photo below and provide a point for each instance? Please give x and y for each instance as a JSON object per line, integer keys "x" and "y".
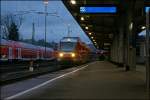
{"x": 40, "y": 85}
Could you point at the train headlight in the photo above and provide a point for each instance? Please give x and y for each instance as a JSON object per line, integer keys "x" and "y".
{"x": 61, "y": 54}
{"x": 73, "y": 54}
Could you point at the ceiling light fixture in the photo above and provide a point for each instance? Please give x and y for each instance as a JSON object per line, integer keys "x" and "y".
{"x": 131, "y": 26}
{"x": 143, "y": 27}
{"x": 90, "y": 33}
{"x": 86, "y": 27}
{"x": 73, "y": 2}
{"x": 82, "y": 18}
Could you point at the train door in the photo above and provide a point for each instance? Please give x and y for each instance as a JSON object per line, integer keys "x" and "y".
{"x": 10, "y": 53}
{"x": 42, "y": 55}
{"x": 18, "y": 53}
{"x": 38, "y": 54}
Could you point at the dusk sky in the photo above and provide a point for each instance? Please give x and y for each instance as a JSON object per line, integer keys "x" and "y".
{"x": 56, "y": 26}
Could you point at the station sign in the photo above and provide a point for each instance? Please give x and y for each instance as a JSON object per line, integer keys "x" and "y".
{"x": 99, "y": 10}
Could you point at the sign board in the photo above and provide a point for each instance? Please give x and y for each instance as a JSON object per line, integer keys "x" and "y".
{"x": 146, "y": 8}
{"x": 112, "y": 9}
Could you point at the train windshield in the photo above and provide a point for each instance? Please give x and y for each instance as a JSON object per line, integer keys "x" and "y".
{"x": 67, "y": 46}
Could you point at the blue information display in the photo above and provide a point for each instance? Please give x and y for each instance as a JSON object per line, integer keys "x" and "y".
{"x": 98, "y": 9}
{"x": 147, "y": 8}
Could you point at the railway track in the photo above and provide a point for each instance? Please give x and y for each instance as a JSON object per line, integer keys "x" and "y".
{"x": 19, "y": 66}
{"x": 20, "y": 71}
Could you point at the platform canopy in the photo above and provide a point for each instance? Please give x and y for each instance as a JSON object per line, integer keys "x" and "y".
{"x": 100, "y": 19}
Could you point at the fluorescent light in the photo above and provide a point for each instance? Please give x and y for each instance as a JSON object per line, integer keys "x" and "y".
{"x": 143, "y": 27}
{"x": 131, "y": 26}
{"x": 73, "y": 2}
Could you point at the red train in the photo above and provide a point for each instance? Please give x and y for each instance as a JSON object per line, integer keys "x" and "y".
{"x": 73, "y": 49}
{"x": 14, "y": 50}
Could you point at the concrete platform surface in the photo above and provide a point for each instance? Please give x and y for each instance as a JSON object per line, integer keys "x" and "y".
{"x": 98, "y": 80}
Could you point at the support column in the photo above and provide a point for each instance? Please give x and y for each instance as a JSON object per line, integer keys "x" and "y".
{"x": 121, "y": 42}
{"x": 117, "y": 43}
{"x": 147, "y": 50}
{"x": 114, "y": 49}
{"x": 130, "y": 41}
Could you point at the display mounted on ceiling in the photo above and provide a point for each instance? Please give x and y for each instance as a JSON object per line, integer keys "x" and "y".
{"x": 147, "y": 8}
{"x": 111, "y": 10}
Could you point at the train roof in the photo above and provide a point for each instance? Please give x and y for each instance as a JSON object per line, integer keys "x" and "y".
{"x": 22, "y": 44}
{"x": 4, "y": 42}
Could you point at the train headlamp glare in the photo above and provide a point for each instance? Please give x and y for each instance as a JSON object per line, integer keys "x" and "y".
{"x": 73, "y": 54}
{"x": 61, "y": 54}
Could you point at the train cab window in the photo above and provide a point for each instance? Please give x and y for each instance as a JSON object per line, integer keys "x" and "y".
{"x": 67, "y": 46}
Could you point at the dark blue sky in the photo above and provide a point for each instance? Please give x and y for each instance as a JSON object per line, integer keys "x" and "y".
{"x": 56, "y": 26}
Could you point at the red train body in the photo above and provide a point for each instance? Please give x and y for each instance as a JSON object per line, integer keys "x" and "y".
{"x": 73, "y": 49}
{"x": 13, "y": 50}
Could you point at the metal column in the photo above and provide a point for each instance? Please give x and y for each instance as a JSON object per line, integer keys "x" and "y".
{"x": 45, "y": 26}
{"x": 147, "y": 51}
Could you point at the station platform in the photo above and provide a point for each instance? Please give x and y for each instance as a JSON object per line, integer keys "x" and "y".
{"x": 97, "y": 80}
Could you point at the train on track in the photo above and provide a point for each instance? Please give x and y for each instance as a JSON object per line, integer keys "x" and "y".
{"x": 14, "y": 50}
{"x": 73, "y": 49}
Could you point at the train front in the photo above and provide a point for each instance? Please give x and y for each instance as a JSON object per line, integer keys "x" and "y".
{"x": 67, "y": 51}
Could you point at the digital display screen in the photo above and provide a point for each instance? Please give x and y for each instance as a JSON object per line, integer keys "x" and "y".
{"x": 98, "y": 9}
{"x": 147, "y": 8}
